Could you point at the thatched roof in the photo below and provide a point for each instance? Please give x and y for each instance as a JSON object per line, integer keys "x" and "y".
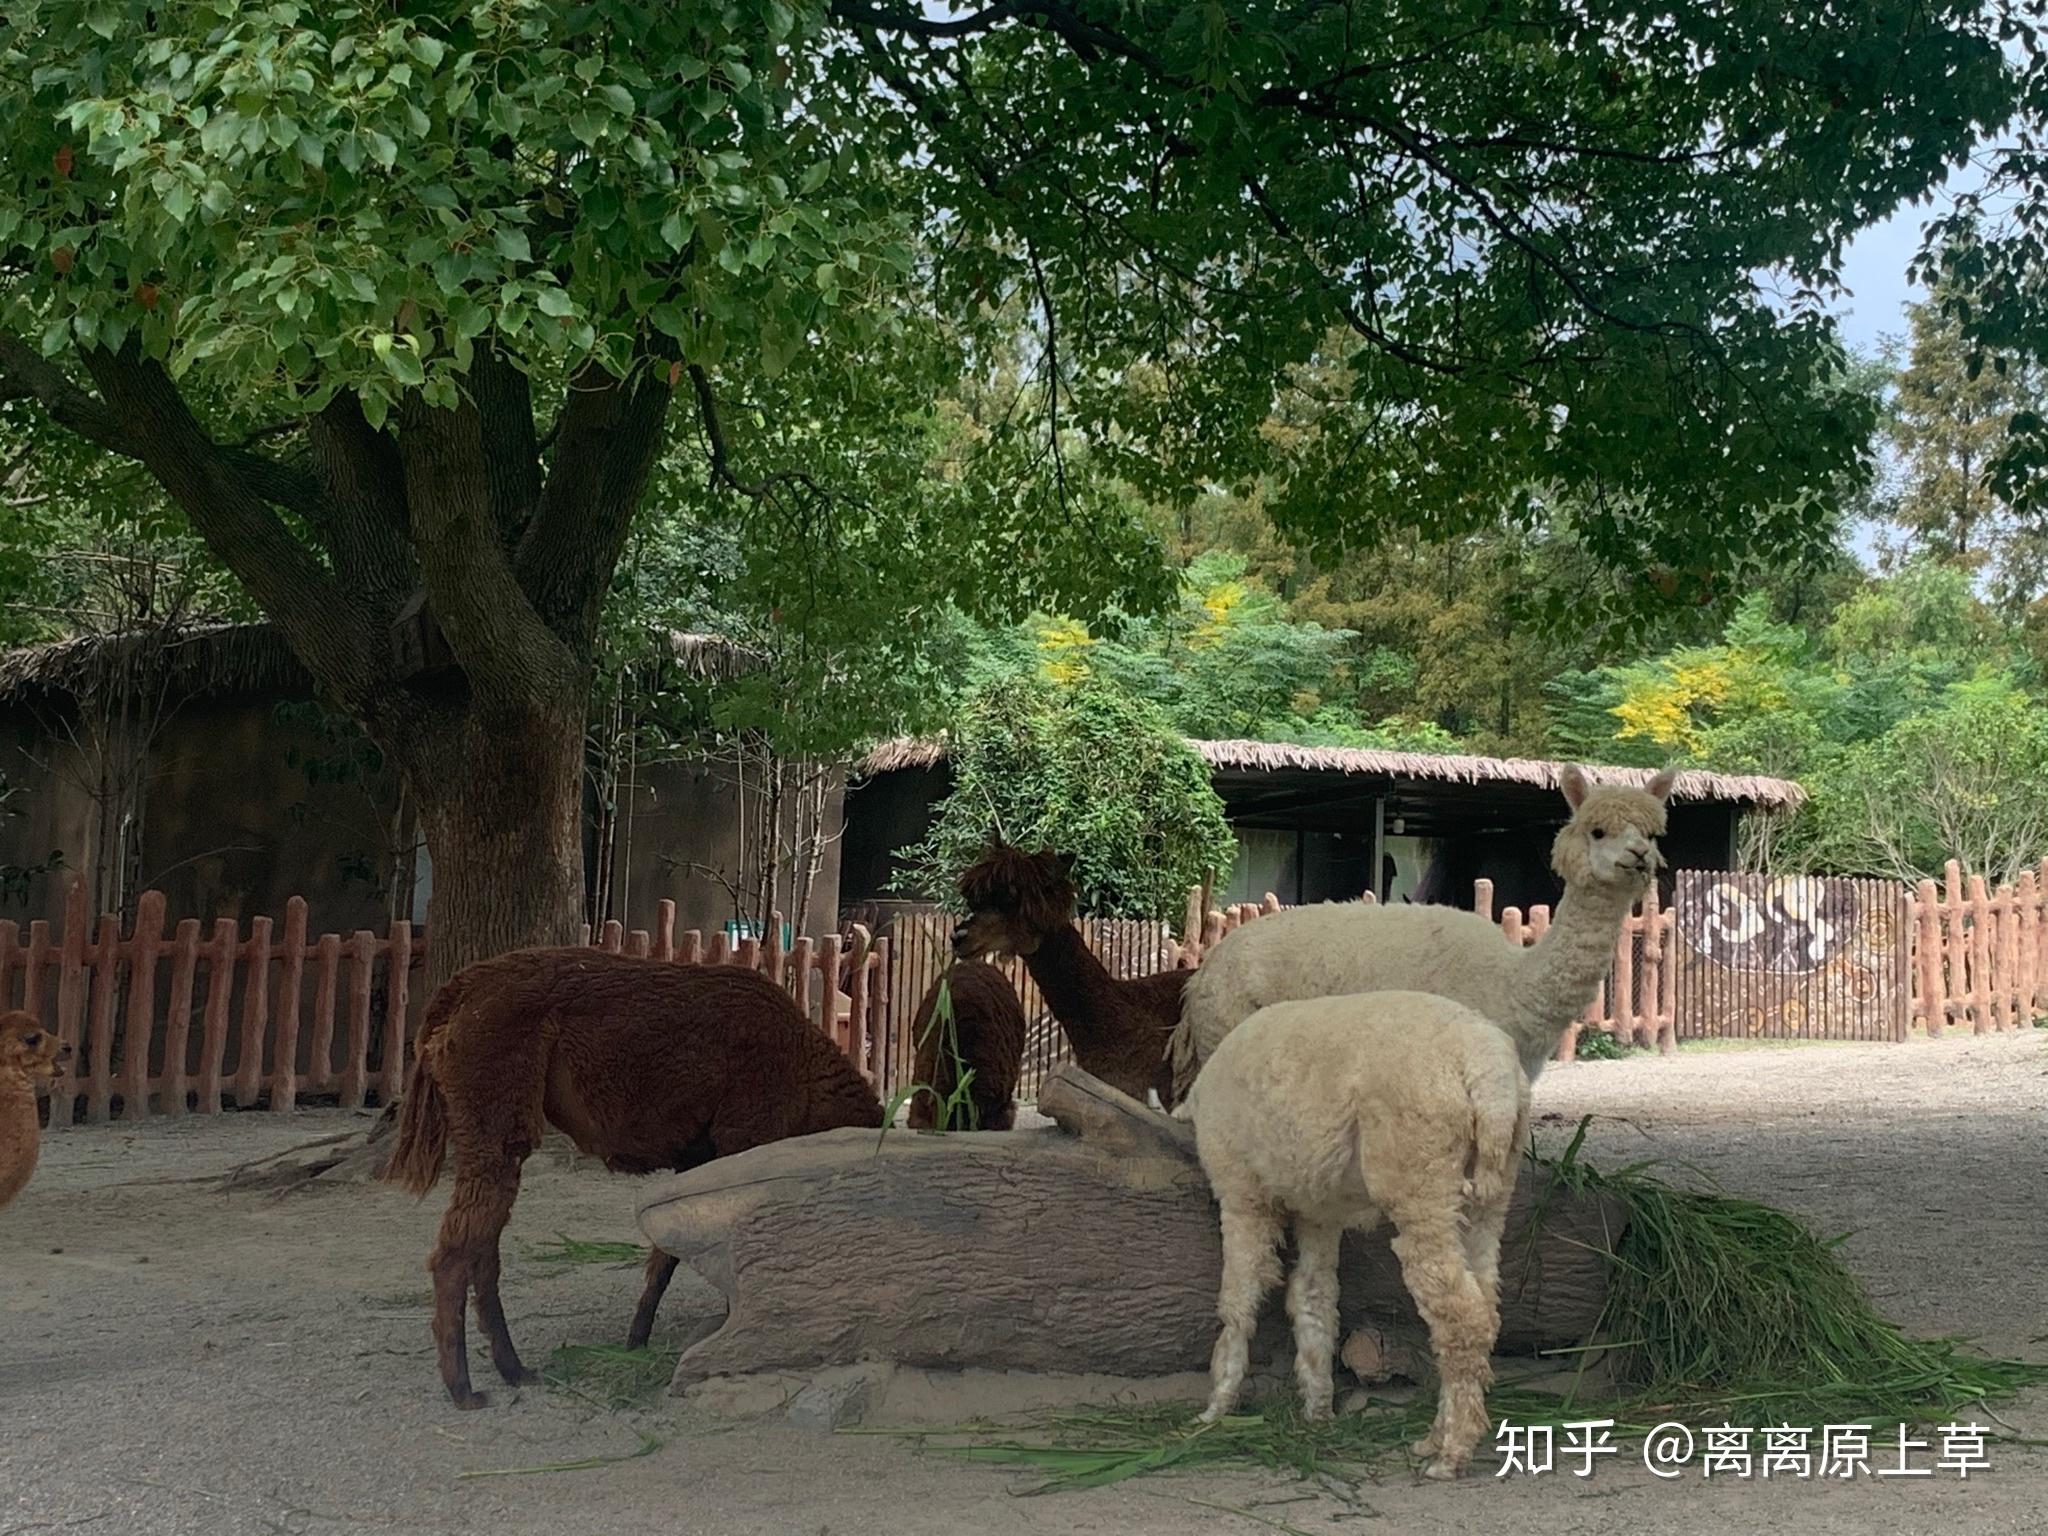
{"x": 1444, "y": 768}
{"x": 250, "y": 658}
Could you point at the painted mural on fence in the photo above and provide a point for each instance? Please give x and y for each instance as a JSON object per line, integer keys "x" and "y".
{"x": 1796, "y": 956}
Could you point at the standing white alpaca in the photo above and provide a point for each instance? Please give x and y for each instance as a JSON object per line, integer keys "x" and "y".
{"x": 1336, "y": 1112}
{"x": 1607, "y": 855}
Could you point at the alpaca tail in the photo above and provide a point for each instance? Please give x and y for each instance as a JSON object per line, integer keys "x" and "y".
{"x": 423, "y": 1112}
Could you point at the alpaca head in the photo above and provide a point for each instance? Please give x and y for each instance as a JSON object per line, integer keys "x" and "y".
{"x": 28, "y": 1050}
{"x": 1013, "y": 900}
{"x": 1611, "y": 840}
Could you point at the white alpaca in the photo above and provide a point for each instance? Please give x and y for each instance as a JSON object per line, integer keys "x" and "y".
{"x": 1333, "y": 1113}
{"x": 1607, "y": 854}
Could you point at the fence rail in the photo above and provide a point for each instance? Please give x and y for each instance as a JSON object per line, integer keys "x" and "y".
{"x": 193, "y": 1019}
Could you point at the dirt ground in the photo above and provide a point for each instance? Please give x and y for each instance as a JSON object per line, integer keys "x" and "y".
{"x": 177, "y": 1359}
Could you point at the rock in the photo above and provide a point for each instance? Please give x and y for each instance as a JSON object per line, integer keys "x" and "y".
{"x": 1092, "y": 1248}
{"x": 836, "y": 1398}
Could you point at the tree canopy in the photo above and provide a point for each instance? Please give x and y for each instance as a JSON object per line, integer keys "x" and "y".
{"x": 393, "y": 306}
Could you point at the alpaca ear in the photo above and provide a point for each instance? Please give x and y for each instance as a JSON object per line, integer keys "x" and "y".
{"x": 1574, "y": 785}
{"x": 1660, "y": 786}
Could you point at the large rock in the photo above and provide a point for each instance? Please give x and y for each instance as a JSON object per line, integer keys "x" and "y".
{"x": 1092, "y": 1247}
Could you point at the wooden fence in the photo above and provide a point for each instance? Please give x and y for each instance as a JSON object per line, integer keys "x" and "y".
{"x": 183, "y": 1022}
{"x": 193, "y": 1020}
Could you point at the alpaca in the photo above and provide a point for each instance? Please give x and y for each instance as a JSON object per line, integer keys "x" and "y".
{"x": 643, "y": 1063}
{"x": 1023, "y": 904}
{"x": 987, "y": 1037}
{"x": 29, "y": 1059}
{"x": 1607, "y": 854}
{"x": 1335, "y": 1112}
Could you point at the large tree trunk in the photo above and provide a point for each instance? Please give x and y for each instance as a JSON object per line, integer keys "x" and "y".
{"x": 501, "y": 802}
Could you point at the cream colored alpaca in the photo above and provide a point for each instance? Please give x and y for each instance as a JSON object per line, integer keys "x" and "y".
{"x": 29, "y": 1058}
{"x": 1335, "y": 1112}
{"x": 1607, "y": 854}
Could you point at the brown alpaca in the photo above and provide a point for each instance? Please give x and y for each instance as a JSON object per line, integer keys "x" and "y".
{"x": 29, "y": 1058}
{"x": 1023, "y": 904}
{"x": 645, "y": 1064}
{"x": 987, "y": 1038}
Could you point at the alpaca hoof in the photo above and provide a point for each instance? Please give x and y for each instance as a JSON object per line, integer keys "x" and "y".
{"x": 1445, "y": 1469}
{"x": 1212, "y": 1413}
{"x": 520, "y": 1376}
{"x": 1317, "y": 1413}
{"x": 469, "y": 1400}
{"x": 1428, "y": 1445}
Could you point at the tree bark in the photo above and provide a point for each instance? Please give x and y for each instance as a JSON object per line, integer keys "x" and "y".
{"x": 500, "y": 798}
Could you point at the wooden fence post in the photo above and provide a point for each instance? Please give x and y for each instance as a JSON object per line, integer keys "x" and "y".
{"x": 1650, "y": 1021}
{"x": 175, "y": 1081}
{"x": 327, "y": 957}
{"x": 105, "y": 981}
{"x": 72, "y": 986}
{"x": 220, "y": 984}
{"x": 33, "y": 968}
{"x": 355, "y": 1077}
{"x": 691, "y": 950}
{"x": 1980, "y": 956}
{"x": 639, "y": 944}
{"x": 1482, "y": 897}
{"x": 397, "y": 995}
{"x": 144, "y": 945}
{"x": 255, "y": 1014}
{"x": 1956, "y": 941}
{"x": 665, "y": 929}
{"x": 1621, "y": 1010}
{"x": 2006, "y": 966}
{"x": 1927, "y": 940}
{"x": 614, "y": 940}
{"x": 284, "y": 1061}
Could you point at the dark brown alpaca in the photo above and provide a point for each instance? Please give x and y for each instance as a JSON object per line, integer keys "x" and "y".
{"x": 988, "y": 1038}
{"x": 642, "y": 1063}
{"x": 1023, "y": 904}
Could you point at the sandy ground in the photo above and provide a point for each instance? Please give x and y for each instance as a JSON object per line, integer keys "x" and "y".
{"x": 176, "y": 1359}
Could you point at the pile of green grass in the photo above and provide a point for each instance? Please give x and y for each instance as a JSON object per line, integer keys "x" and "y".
{"x": 1718, "y": 1310}
{"x": 611, "y": 1376}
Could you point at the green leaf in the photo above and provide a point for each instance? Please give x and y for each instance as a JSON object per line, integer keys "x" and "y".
{"x": 673, "y": 233}
{"x": 428, "y": 50}
{"x": 512, "y": 243}
{"x": 404, "y": 364}
{"x": 553, "y": 302}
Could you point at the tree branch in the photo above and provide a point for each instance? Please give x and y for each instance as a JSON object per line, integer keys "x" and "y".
{"x": 511, "y": 656}
{"x": 607, "y": 435}
{"x": 722, "y": 472}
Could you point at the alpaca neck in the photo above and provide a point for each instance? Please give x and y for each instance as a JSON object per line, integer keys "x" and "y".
{"x": 1077, "y": 987}
{"x": 19, "y": 1138}
{"x": 1564, "y": 969}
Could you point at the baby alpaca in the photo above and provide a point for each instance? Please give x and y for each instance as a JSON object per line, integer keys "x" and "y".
{"x": 29, "y": 1058}
{"x": 1334, "y": 1112}
{"x": 986, "y": 1038}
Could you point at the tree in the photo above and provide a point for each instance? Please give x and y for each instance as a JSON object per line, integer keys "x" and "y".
{"x": 1949, "y": 422}
{"x": 1088, "y": 770}
{"x": 1962, "y": 781}
{"x": 393, "y": 305}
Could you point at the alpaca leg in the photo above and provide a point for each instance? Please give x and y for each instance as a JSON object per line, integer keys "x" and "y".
{"x": 490, "y": 1306}
{"x": 1463, "y": 1324}
{"x": 477, "y": 1211}
{"x": 661, "y": 1268}
{"x": 1250, "y": 1269}
{"x": 1312, "y": 1307}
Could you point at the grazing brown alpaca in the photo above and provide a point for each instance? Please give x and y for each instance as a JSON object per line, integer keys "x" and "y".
{"x": 987, "y": 1038}
{"x": 29, "y": 1058}
{"x": 645, "y": 1064}
{"x": 1023, "y": 904}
